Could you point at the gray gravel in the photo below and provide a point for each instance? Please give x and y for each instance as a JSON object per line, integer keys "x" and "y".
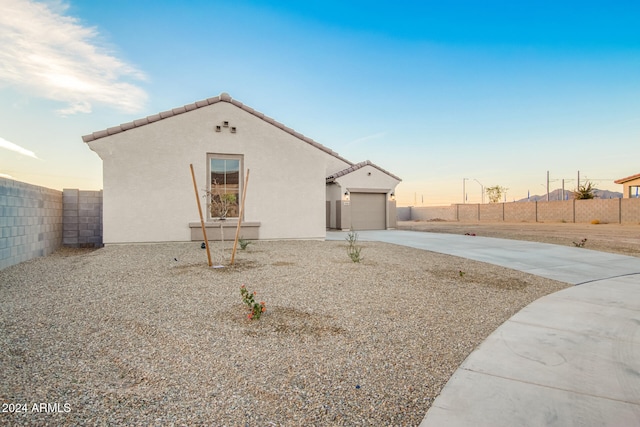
{"x": 149, "y": 335}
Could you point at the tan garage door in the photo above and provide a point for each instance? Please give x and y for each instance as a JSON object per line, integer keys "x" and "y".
{"x": 368, "y": 211}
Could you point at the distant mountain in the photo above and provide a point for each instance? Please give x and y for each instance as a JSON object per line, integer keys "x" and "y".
{"x": 568, "y": 195}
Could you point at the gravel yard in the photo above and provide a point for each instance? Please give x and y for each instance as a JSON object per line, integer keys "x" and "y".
{"x": 149, "y": 335}
{"x": 621, "y": 239}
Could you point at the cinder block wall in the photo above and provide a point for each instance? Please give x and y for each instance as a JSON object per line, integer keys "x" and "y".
{"x": 30, "y": 221}
{"x": 82, "y": 218}
{"x": 520, "y": 212}
{"x": 630, "y": 211}
{"x": 404, "y": 213}
{"x": 612, "y": 211}
{"x": 555, "y": 211}
{"x": 603, "y": 210}
{"x": 468, "y": 212}
{"x": 429, "y": 213}
{"x": 492, "y": 212}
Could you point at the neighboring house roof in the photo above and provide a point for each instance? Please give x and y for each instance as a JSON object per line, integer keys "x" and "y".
{"x": 223, "y": 97}
{"x": 627, "y": 179}
{"x": 352, "y": 168}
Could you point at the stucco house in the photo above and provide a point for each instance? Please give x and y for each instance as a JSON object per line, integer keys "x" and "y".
{"x": 630, "y": 186}
{"x": 297, "y": 187}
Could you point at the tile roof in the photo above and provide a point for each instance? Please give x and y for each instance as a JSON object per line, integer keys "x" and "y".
{"x": 357, "y": 166}
{"x": 223, "y": 97}
{"x": 627, "y": 179}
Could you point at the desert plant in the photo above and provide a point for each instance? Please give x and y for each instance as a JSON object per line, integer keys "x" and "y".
{"x": 584, "y": 191}
{"x": 495, "y": 193}
{"x": 244, "y": 243}
{"x": 256, "y": 308}
{"x": 353, "y": 250}
{"x": 220, "y": 204}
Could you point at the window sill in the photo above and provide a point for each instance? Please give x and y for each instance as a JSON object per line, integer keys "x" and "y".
{"x": 249, "y": 230}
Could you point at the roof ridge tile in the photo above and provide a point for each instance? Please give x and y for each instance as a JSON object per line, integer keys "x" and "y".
{"x": 355, "y": 167}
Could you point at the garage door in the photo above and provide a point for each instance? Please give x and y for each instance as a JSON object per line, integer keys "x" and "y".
{"x": 368, "y": 211}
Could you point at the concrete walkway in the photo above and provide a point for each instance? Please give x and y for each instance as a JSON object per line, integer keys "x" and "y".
{"x": 571, "y": 358}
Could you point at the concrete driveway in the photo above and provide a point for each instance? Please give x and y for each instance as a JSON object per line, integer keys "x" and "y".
{"x": 571, "y": 358}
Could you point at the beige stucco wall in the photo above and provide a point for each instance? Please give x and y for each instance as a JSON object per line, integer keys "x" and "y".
{"x": 148, "y": 191}
{"x": 333, "y": 195}
{"x": 628, "y": 188}
{"x": 369, "y": 179}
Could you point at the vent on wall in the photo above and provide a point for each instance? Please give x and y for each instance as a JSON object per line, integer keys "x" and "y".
{"x": 225, "y": 124}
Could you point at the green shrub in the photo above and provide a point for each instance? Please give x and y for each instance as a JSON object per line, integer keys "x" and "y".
{"x": 244, "y": 243}
{"x": 256, "y": 308}
{"x": 353, "y": 250}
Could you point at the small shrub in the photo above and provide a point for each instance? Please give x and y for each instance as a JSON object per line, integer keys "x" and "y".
{"x": 244, "y": 243}
{"x": 354, "y": 253}
{"x": 353, "y": 250}
{"x": 595, "y": 221}
{"x": 256, "y": 308}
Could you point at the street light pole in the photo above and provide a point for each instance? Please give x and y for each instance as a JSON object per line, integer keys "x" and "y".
{"x": 464, "y": 191}
{"x": 547, "y": 186}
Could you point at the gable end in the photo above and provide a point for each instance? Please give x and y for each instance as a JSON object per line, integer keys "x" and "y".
{"x": 223, "y": 97}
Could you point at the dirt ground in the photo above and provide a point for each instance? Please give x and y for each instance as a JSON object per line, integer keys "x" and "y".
{"x": 615, "y": 238}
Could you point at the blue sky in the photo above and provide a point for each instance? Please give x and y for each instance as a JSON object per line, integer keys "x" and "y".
{"x": 495, "y": 91}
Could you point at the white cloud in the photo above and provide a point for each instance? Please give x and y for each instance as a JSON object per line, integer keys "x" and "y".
{"x": 366, "y": 138}
{"x": 15, "y": 147}
{"x": 54, "y": 57}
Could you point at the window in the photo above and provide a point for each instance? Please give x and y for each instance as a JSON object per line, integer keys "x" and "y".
{"x": 224, "y": 185}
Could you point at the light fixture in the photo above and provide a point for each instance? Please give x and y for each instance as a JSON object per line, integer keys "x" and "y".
{"x": 346, "y": 195}
{"x": 218, "y": 128}
{"x": 225, "y": 124}
{"x": 392, "y": 196}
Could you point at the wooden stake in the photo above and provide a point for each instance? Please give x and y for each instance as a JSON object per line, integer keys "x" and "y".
{"x": 204, "y": 230}
{"x": 244, "y": 195}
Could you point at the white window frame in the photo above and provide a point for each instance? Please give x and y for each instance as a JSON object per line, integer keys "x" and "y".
{"x": 218, "y": 156}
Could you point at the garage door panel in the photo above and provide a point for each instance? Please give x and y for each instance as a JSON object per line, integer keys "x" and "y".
{"x": 368, "y": 211}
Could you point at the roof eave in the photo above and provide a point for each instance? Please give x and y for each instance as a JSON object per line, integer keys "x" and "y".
{"x": 355, "y": 167}
{"x": 223, "y": 97}
{"x": 627, "y": 179}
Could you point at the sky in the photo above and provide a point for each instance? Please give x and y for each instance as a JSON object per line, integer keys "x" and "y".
{"x": 441, "y": 94}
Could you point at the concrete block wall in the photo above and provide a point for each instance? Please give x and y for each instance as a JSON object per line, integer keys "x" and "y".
{"x": 520, "y": 212}
{"x": 30, "y": 221}
{"x": 429, "y": 213}
{"x": 403, "y": 213}
{"x": 469, "y": 212}
{"x": 603, "y": 210}
{"x": 555, "y": 211}
{"x": 492, "y": 212}
{"x": 82, "y": 218}
{"x": 630, "y": 211}
{"x": 611, "y": 211}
